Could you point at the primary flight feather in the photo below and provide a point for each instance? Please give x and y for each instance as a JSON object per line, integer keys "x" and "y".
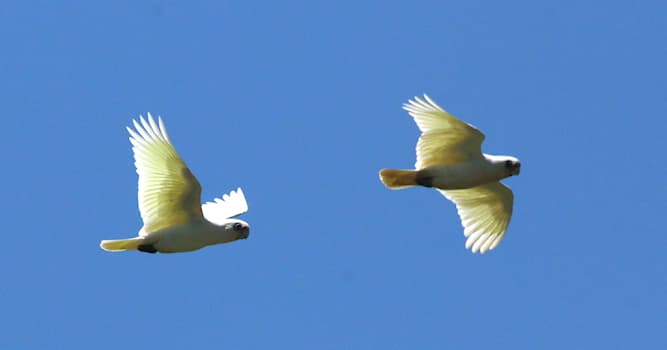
{"x": 170, "y": 200}
{"x": 450, "y": 159}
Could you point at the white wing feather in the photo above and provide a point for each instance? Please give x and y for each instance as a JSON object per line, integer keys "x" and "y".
{"x": 168, "y": 192}
{"x": 485, "y": 213}
{"x": 230, "y": 205}
{"x": 445, "y": 139}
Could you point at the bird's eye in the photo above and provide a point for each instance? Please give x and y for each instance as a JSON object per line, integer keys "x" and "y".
{"x": 238, "y": 227}
{"x": 509, "y": 164}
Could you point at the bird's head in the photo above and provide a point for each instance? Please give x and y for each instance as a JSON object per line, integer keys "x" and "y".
{"x": 240, "y": 228}
{"x": 512, "y": 166}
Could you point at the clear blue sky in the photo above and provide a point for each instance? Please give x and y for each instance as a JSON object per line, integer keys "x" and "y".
{"x": 299, "y": 103}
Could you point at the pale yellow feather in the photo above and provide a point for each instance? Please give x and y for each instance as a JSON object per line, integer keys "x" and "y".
{"x": 445, "y": 139}
{"x": 485, "y": 213}
{"x": 169, "y": 194}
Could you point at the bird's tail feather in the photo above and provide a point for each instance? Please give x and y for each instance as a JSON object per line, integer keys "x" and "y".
{"x": 396, "y": 179}
{"x": 120, "y": 245}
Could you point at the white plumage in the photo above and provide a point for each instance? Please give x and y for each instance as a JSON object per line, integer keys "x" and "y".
{"x": 230, "y": 205}
{"x": 450, "y": 159}
{"x": 169, "y": 200}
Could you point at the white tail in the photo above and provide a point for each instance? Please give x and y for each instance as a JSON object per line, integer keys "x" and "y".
{"x": 396, "y": 179}
{"x": 120, "y": 245}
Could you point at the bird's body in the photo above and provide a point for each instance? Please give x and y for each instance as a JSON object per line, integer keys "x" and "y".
{"x": 461, "y": 175}
{"x": 169, "y": 200}
{"x": 455, "y": 176}
{"x": 449, "y": 159}
{"x": 190, "y": 236}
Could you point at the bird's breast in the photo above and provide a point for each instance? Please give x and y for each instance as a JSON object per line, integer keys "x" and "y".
{"x": 458, "y": 176}
{"x": 186, "y": 237}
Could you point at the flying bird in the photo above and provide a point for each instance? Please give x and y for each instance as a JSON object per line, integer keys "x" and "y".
{"x": 450, "y": 159}
{"x": 169, "y": 200}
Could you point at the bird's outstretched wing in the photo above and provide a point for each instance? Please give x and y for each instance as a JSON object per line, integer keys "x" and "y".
{"x": 168, "y": 192}
{"x": 230, "y": 205}
{"x": 485, "y": 212}
{"x": 445, "y": 139}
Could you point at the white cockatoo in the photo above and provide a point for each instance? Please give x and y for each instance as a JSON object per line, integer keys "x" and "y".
{"x": 169, "y": 200}
{"x": 450, "y": 159}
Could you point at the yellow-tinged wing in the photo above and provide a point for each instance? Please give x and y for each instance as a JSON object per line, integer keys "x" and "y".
{"x": 445, "y": 139}
{"x": 168, "y": 192}
{"x": 485, "y": 212}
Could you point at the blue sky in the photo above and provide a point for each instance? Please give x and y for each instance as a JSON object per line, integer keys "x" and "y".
{"x": 299, "y": 103}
